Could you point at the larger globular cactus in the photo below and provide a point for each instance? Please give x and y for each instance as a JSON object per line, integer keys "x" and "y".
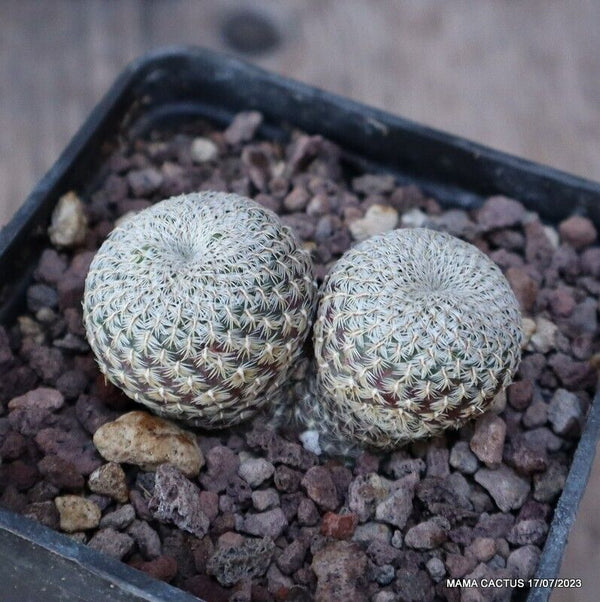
{"x": 416, "y": 332}
{"x": 198, "y": 307}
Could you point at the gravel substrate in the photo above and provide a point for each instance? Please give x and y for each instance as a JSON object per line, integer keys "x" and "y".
{"x": 248, "y": 513}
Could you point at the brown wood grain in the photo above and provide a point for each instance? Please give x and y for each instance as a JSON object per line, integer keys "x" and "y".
{"x": 523, "y": 77}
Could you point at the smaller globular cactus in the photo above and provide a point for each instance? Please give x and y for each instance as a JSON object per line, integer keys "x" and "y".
{"x": 416, "y": 332}
{"x": 198, "y": 307}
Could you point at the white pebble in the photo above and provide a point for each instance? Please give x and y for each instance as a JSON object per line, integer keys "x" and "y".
{"x": 310, "y": 441}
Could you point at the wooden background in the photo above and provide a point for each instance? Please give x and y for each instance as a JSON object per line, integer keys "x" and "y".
{"x": 520, "y": 76}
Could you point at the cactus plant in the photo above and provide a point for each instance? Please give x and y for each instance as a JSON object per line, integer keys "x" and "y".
{"x": 416, "y": 331}
{"x": 198, "y": 307}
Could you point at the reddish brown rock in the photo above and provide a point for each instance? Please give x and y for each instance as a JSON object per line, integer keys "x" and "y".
{"x": 340, "y": 526}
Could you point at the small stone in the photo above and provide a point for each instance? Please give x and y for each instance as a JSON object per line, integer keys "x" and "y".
{"x": 548, "y": 485}
{"x": 177, "y": 500}
{"x": 203, "y": 150}
{"x": 320, "y": 487}
{"x": 365, "y": 492}
{"x": 297, "y": 199}
{"x": 146, "y": 538}
{"x": 319, "y": 205}
{"x": 148, "y": 441}
{"x": 523, "y": 561}
{"x": 507, "y": 488}
{"x": 92, "y": 413}
{"x": 109, "y": 479}
{"x": 459, "y": 565}
{"x": 538, "y": 247}
{"x": 45, "y": 513}
{"x": 271, "y": 523}
{"x": 488, "y": 440}
{"x": 222, "y": 465}
{"x": 286, "y": 479}
{"x": 277, "y": 582}
{"x": 77, "y": 513}
{"x": 565, "y": 413}
{"x": 372, "y": 531}
{"x": 500, "y": 212}
{"x": 398, "y": 506}
{"x": 524, "y": 458}
{"x": 462, "y": 458}
{"x": 414, "y": 218}
{"x": 61, "y": 473}
{"x": 72, "y": 383}
{"x": 265, "y": 499}
{"x": 291, "y": 557}
{"x": 520, "y": 394}
{"x": 251, "y": 558}
{"x": 51, "y": 267}
{"x": 536, "y": 414}
{"x": 255, "y": 471}
{"x": 377, "y": 220}
{"x": 163, "y": 568}
{"x": 426, "y": 536}
{"x": 543, "y": 339}
{"x": 41, "y": 296}
{"x": 572, "y": 374}
{"x": 68, "y": 224}
{"x": 436, "y": 569}
{"x": 383, "y": 575}
{"x": 590, "y": 262}
{"x": 111, "y": 542}
{"x": 530, "y": 531}
{"x": 577, "y": 231}
{"x": 374, "y": 184}
{"x": 28, "y": 413}
{"x": 144, "y": 182}
{"x": 524, "y": 287}
{"x": 340, "y": 568}
{"x": 243, "y": 127}
{"x": 340, "y": 526}
{"x": 483, "y": 548}
{"x": 307, "y": 512}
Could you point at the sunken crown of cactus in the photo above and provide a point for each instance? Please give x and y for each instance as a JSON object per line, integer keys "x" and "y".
{"x": 416, "y": 332}
{"x": 198, "y": 307}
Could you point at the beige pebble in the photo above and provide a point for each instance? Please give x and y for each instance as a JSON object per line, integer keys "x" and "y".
{"x": 377, "y": 220}
{"x": 77, "y": 513}
{"x": 109, "y": 479}
{"x": 68, "y": 226}
{"x": 203, "y": 150}
{"x": 415, "y": 218}
{"x": 529, "y": 327}
{"x": 148, "y": 441}
{"x": 543, "y": 339}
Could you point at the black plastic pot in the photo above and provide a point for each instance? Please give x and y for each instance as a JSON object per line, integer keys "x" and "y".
{"x": 174, "y": 84}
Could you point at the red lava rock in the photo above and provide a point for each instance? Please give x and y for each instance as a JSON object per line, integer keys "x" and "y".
{"x": 146, "y": 538}
{"x": 271, "y": 523}
{"x": 163, "y": 568}
{"x": 292, "y": 557}
{"x": 500, "y": 212}
{"x": 524, "y": 287}
{"x": 561, "y": 302}
{"x": 340, "y": 526}
{"x": 307, "y": 512}
{"x": 590, "y": 262}
{"x": 578, "y": 231}
{"x": 340, "y": 568}
{"x": 520, "y": 394}
{"x": 488, "y": 440}
{"x": 51, "y": 267}
{"x": 538, "y": 248}
{"x": 12, "y": 445}
{"x": 320, "y": 487}
{"x": 70, "y": 286}
{"x": 206, "y": 588}
{"x": 61, "y": 472}
{"x": 92, "y": 413}
{"x": 71, "y": 447}
{"x": 571, "y": 373}
{"x": 426, "y": 535}
{"x": 243, "y": 127}
{"x": 45, "y": 513}
{"x": 111, "y": 542}
{"x": 222, "y": 465}
{"x": 22, "y": 475}
{"x": 287, "y": 479}
{"x": 177, "y": 500}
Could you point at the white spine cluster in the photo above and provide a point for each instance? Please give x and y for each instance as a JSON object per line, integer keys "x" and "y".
{"x": 416, "y": 331}
{"x": 199, "y": 306}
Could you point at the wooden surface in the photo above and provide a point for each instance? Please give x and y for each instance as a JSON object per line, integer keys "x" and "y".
{"x": 523, "y": 77}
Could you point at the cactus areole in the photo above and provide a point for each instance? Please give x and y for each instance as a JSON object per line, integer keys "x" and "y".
{"x": 198, "y": 307}
{"x": 416, "y": 332}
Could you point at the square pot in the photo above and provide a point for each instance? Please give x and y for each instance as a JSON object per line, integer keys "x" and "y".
{"x": 173, "y": 85}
